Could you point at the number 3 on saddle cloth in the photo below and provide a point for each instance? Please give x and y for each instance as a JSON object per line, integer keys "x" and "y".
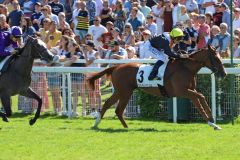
{"x": 143, "y": 73}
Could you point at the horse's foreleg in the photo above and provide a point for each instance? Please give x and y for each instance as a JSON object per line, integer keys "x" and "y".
{"x": 111, "y": 101}
{"x": 6, "y": 102}
{"x": 194, "y": 96}
{"x": 31, "y": 94}
{"x": 206, "y": 106}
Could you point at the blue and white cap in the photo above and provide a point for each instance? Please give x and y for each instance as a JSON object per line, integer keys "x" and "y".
{"x": 16, "y": 31}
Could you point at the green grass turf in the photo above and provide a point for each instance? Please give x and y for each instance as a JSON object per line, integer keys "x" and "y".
{"x": 58, "y": 138}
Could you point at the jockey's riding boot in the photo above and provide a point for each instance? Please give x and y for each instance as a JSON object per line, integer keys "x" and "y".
{"x": 154, "y": 71}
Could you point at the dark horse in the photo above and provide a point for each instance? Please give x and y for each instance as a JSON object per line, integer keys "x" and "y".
{"x": 17, "y": 79}
{"x": 179, "y": 81}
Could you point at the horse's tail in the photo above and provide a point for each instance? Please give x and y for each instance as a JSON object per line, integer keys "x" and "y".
{"x": 95, "y": 76}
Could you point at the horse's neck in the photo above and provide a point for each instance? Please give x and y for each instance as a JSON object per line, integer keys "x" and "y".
{"x": 24, "y": 63}
{"x": 194, "y": 64}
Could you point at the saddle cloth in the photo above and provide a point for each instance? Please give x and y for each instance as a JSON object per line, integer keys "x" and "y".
{"x": 2, "y": 63}
{"x": 143, "y": 73}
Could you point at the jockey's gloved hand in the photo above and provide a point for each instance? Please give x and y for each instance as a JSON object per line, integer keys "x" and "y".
{"x": 184, "y": 55}
{"x": 14, "y": 52}
{"x": 182, "y": 52}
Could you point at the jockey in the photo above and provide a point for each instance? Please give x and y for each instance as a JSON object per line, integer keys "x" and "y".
{"x": 15, "y": 39}
{"x": 159, "y": 48}
{"x": 10, "y": 38}
{"x": 10, "y": 41}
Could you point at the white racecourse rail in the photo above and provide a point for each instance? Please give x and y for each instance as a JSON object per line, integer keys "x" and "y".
{"x": 68, "y": 70}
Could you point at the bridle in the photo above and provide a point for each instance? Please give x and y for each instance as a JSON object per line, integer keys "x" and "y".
{"x": 213, "y": 68}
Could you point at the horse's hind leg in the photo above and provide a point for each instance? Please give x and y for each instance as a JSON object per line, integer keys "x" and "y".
{"x": 111, "y": 101}
{"x": 6, "y": 102}
{"x": 123, "y": 101}
{"x": 31, "y": 94}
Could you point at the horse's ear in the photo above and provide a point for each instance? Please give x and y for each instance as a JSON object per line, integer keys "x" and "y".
{"x": 209, "y": 47}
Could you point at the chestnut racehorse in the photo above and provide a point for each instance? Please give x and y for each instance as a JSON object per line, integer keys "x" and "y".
{"x": 179, "y": 81}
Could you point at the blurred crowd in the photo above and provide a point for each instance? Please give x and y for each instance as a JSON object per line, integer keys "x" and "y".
{"x": 118, "y": 29}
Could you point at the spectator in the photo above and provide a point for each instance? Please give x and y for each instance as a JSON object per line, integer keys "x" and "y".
{"x": 226, "y": 14}
{"x": 36, "y": 15}
{"x": 224, "y": 40}
{"x": 209, "y": 19}
{"x": 133, "y": 20}
{"x": 99, "y": 7}
{"x": 27, "y": 8}
{"x": 62, "y": 22}
{"x": 4, "y": 11}
{"x": 183, "y": 16}
{"x": 237, "y": 32}
{"x": 16, "y": 14}
{"x": 93, "y": 95}
{"x": 9, "y": 5}
{"x": 47, "y": 13}
{"x": 96, "y": 30}
{"x": 53, "y": 35}
{"x": 116, "y": 52}
{"x": 167, "y": 16}
{"x": 131, "y": 52}
{"x": 144, "y": 8}
{"x": 143, "y": 44}
{"x": 106, "y": 13}
{"x": 192, "y": 6}
{"x": 68, "y": 7}
{"x": 217, "y": 16}
{"x": 77, "y": 78}
{"x": 75, "y": 13}
{"x": 27, "y": 28}
{"x": 119, "y": 16}
{"x": 140, "y": 15}
{"x": 128, "y": 35}
{"x": 128, "y": 6}
{"x": 151, "y": 25}
{"x": 194, "y": 18}
{"x": 236, "y": 19}
{"x": 54, "y": 79}
{"x": 91, "y": 7}
{"x": 116, "y": 35}
{"x": 236, "y": 47}
{"x": 46, "y": 25}
{"x": 203, "y": 32}
{"x": 209, "y": 6}
{"x": 56, "y": 7}
{"x": 83, "y": 20}
{"x": 193, "y": 36}
{"x": 213, "y": 41}
{"x": 107, "y": 37}
{"x": 158, "y": 13}
{"x": 176, "y": 11}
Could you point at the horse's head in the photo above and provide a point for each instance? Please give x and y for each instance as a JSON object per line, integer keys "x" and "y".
{"x": 39, "y": 50}
{"x": 214, "y": 62}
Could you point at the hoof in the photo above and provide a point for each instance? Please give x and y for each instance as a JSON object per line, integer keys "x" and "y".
{"x": 217, "y": 128}
{"x": 94, "y": 127}
{"x": 32, "y": 121}
{"x": 5, "y": 119}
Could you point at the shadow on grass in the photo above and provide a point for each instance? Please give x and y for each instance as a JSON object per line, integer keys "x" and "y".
{"x": 112, "y": 130}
